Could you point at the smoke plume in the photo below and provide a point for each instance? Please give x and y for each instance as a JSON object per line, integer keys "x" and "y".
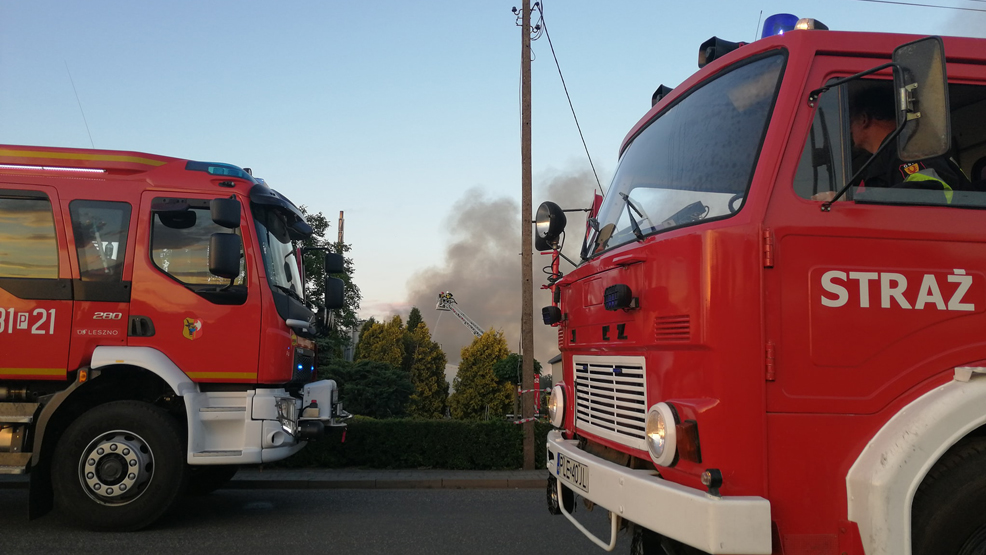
{"x": 482, "y": 268}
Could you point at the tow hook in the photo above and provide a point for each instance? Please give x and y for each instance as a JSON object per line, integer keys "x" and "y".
{"x": 310, "y": 429}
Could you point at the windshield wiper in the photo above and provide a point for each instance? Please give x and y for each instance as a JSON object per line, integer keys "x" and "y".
{"x": 633, "y": 221}
{"x": 290, "y": 292}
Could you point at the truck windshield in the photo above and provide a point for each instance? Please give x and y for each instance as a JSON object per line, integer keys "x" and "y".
{"x": 695, "y": 161}
{"x": 279, "y": 254}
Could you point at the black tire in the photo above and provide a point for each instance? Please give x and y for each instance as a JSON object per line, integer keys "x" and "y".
{"x": 203, "y": 480}
{"x": 567, "y": 495}
{"x": 947, "y": 517}
{"x": 646, "y": 542}
{"x": 120, "y": 466}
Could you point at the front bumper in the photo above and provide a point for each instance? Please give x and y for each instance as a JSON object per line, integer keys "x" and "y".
{"x": 258, "y": 426}
{"x": 739, "y": 524}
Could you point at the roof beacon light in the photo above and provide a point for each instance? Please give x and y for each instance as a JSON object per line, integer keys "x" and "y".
{"x": 807, "y": 24}
{"x": 778, "y": 24}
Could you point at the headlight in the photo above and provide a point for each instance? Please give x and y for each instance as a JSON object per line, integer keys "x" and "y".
{"x": 287, "y": 414}
{"x": 556, "y": 406}
{"x": 660, "y": 430}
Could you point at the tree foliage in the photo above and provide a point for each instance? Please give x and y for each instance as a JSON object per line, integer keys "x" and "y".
{"x": 384, "y": 343}
{"x": 345, "y": 318}
{"x": 508, "y": 370}
{"x": 370, "y": 388}
{"x": 477, "y": 394}
{"x": 413, "y": 319}
{"x": 427, "y": 370}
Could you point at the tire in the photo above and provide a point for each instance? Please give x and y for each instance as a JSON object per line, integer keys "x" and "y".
{"x": 567, "y": 495}
{"x": 119, "y": 466}
{"x": 947, "y": 516}
{"x": 205, "y": 479}
{"x": 646, "y": 542}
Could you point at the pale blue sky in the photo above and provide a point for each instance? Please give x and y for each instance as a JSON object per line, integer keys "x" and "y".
{"x": 388, "y": 110}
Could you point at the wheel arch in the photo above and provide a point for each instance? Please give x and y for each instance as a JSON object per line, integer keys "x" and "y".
{"x": 115, "y": 374}
{"x": 883, "y": 480}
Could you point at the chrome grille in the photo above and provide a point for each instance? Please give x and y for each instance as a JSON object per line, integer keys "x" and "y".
{"x": 611, "y": 398}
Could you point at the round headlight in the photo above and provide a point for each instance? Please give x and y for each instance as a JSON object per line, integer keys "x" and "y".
{"x": 556, "y": 406}
{"x": 660, "y": 430}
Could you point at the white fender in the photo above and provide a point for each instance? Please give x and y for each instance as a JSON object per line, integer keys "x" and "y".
{"x": 881, "y": 484}
{"x": 148, "y": 358}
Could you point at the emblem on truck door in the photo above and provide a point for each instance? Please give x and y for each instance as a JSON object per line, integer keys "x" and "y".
{"x": 193, "y": 328}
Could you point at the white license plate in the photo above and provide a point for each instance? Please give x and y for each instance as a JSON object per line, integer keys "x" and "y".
{"x": 572, "y": 472}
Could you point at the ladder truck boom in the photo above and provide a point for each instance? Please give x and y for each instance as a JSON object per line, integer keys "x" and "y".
{"x": 446, "y": 302}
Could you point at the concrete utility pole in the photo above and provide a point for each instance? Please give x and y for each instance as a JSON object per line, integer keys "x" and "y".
{"x": 526, "y": 271}
{"x": 341, "y": 229}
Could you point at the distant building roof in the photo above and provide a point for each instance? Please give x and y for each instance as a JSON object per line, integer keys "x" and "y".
{"x": 556, "y": 359}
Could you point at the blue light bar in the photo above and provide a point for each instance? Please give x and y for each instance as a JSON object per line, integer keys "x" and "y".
{"x": 778, "y": 24}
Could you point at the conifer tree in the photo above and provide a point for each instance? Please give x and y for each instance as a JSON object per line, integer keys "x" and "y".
{"x": 428, "y": 375}
{"x": 477, "y": 394}
{"x": 384, "y": 343}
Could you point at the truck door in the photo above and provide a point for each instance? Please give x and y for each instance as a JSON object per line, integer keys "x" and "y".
{"x": 888, "y": 287}
{"x": 35, "y": 285}
{"x": 101, "y": 291}
{"x": 208, "y": 326}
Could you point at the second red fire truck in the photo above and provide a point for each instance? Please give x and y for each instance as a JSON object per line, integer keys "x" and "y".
{"x": 762, "y": 354}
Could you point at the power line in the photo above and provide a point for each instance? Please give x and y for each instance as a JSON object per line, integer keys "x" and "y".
{"x": 926, "y": 5}
{"x": 539, "y": 6}
{"x": 77, "y": 99}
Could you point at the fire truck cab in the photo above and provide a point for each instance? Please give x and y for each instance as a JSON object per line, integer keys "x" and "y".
{"x": 761, "y": 353}
{"x": 153, "y": 330}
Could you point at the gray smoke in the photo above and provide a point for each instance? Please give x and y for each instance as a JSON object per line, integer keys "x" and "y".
{"x": 482, "y": 268}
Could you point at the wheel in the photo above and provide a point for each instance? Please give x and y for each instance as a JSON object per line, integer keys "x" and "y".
{"x": 947, "y": 517}
{"x": 120, "y": 466}
{"x": 568, "y": 496}
{"x": 646, "y": 542}
{"x": 203, "y": 480}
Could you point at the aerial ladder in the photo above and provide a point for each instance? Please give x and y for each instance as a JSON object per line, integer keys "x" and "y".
{"x": 446, "y": 303}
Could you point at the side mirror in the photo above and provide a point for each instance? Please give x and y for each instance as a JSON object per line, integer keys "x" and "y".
{"x": 922, "y": 100}
{"x": 224, "y": 255}
{"x": 334, "y": 294}
{"x": 549, "y": 223}
{"x": 225, "y": 212}
{"x": 334, "y": 263}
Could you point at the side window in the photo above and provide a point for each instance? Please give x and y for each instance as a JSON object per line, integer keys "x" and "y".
{"x": 100, "y": 230}
{"x": 28, "y": 248}
{"x": 180, "y": 236}
{"x": 822, "y": 168}
{"x": 853, "y": 121}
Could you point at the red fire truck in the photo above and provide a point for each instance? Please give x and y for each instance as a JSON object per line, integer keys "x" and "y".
{"x": 153, "y": 330}
{"x": 762, "y": 354}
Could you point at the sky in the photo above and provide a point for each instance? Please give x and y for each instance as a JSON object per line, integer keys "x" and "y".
{"x": 403, "y": 114}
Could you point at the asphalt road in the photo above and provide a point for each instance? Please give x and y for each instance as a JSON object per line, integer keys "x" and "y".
{"x": 343, "y": 521}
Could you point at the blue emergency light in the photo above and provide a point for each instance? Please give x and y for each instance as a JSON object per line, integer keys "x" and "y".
{"x": 778, "y": 24}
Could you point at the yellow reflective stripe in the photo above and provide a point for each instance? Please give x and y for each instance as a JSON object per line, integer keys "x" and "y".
{"x": 223, "y": 375}
{"x": 80, "y": 156}
{"x": 922, "y": 177}
{"x": 33, "y": 371}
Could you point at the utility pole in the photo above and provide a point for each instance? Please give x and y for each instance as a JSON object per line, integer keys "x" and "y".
{"x": 527, "y": 279}
{"x": 341, "y": 229}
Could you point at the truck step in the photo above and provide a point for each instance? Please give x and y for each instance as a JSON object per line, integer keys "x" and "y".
{"x": 14, "y": 463}
{"x": 17, "y": 413}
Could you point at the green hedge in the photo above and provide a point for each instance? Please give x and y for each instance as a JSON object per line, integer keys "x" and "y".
{"x": 415, "y": 443}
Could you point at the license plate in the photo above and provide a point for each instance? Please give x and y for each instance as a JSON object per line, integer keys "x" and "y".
{"x": 572, "y": 472}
